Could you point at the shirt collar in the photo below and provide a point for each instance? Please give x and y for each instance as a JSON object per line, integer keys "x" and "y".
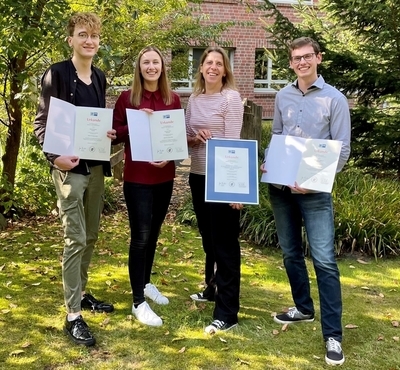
{"x": 148, "y": 94}
{"x": 319, "y": 83}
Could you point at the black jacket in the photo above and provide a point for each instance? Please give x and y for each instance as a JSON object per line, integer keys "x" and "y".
{"x": 60, "y": 81}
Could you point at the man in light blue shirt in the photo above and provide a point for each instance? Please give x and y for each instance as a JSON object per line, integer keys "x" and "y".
{"x": 310, "y": 108}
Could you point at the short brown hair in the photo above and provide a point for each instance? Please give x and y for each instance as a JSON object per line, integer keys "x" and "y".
{"x": 89, "y": 20}
{"x": 303, "y": 41}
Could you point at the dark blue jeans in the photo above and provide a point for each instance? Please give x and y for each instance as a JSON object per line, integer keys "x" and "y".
{"x": 147, "y": 207}
{"x": 316, "y": 210}
{"x": 219, "y": 227}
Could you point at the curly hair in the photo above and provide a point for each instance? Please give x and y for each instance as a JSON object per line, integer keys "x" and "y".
{"x": 84, "y": 19}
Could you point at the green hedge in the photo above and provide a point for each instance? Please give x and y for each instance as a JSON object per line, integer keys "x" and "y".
{"x": 366, "y": 216}
{"x": 366, "y": 213}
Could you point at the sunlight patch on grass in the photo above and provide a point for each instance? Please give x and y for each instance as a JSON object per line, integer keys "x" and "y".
{"x": 36, "y": 313}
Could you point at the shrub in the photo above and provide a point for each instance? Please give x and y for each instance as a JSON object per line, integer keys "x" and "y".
{"x": 113, "y": 195}
{"x": 185, "y": 213}
{"x": 34, "y": 191}
{"x": 257, "y": 222}
{"x": 366, "y": 213}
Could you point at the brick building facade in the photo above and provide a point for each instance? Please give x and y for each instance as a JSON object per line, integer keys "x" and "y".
{"x": 252, "y": 69}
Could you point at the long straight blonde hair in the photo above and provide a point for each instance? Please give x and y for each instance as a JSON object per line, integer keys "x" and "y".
{"x": 138, "y": 80}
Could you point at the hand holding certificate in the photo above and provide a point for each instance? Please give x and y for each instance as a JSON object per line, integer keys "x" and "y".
{"x": 80, "y": 131}
{"x": 311, "y": 163}
{"x": 159, "y": 136}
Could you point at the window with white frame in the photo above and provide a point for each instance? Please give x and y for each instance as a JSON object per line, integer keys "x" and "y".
{"x": 265, "y": 79}
{"x": 190, "y": 58}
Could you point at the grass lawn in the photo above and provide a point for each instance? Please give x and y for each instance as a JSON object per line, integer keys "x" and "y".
{"x": 32, "y": 312}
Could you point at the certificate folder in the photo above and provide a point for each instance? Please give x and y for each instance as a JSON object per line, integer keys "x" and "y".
{"x": 312, "y": 163}
{"x": 231, "y": 171}
{"x": 159, "y": 136}
{"x": 80, "y": 131}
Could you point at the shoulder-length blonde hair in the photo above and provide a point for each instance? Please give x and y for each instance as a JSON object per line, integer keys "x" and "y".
{"x": 138, "y": 80}
{"x": 228, "y": 81}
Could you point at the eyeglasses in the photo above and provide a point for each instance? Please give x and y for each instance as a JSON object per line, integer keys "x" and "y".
{"x": 85, "y": 36}
{"x": 307, "y": 57}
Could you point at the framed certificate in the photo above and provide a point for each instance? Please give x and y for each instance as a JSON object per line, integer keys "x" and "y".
{"x": 159, "y": 136}
{"x": 80, "y": 131}
{"x": 231, "y": 171}
{"x": 312, "y": 163}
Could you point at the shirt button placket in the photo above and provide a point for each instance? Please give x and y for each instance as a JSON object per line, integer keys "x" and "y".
{"x": 300, "y": 117}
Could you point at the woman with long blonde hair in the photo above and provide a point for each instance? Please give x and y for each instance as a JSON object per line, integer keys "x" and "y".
{"x": 147, "y": 185}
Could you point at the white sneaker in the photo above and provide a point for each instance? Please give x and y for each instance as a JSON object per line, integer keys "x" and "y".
{"x": 145, "y": 315}
{"x": 151, "y": 291}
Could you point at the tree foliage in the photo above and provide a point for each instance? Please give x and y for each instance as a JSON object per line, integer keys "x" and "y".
{"x": 26, "y": 29}
{"x": 360, "y": 40}
{"x": 32, "y": 36}
{"x": 129, "y": 25}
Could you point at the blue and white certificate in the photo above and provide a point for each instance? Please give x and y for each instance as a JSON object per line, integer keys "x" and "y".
{"x": 159, "y": 136}
{"x": 231, "y": 171}
{"x": 312, "y": 163}
{"x": 80, "y": 131}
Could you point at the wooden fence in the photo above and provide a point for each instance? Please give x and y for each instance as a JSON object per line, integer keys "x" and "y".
{"x": 252, "y": 120}
{"x": 116, "y": 161}
{"x": 251, "y": 129}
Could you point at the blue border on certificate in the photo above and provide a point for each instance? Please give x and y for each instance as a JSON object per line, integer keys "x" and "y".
{"x": 229, "y": 197}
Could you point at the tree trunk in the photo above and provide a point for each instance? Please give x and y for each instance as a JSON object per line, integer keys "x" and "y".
{"x": 16, "y": 75}
{"x": 11, "y": 151}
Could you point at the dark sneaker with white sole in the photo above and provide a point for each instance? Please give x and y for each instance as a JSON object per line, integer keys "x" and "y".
{"x": 88, "y": 302}
{"x": 334, "y": 353}
{"x": 78, "y": 331}
{"x": 292, "y": 316}
{"x": 200, "y": 297}
{"x": 219, "y": 325}
{"x": 208, "y": 295}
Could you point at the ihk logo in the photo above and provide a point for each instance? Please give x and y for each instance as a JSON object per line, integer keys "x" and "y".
{"x": 231, "y": 151}
{"x": 322, "y": 145}
{"x": 166, "y": 116}
{"x": 93, "y": 114}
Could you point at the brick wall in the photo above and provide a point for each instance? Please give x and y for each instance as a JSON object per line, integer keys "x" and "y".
{"x": 244, "y": 40}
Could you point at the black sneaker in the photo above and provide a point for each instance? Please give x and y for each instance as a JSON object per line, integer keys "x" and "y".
{"x": 206, "y": 296}
{"x": 200, "y": 297}
{"x": 334, "y": 354}
{"x": 218, "y": 325}
{"x": 292, "y": 316}
{"x": 79, "y": 332}
{"x": 90, "y": 303}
